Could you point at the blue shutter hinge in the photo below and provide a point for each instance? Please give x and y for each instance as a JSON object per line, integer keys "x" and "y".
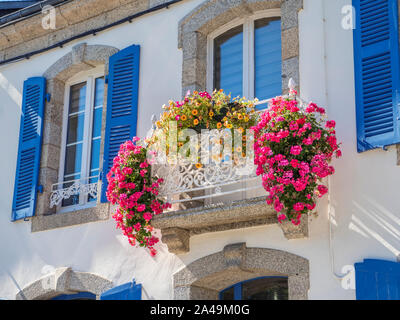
{"x": 365, "y": 143}
{"x": 40, "y": 189}
{"x": 106, "y": 79}
{"x": 48, "y": 97}
{"x": 101, "y": 175}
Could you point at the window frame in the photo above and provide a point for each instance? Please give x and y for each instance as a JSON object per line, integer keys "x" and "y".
{"x": 237, "y": 287}
{"x": 248, "y": 51}
{"x": 90, "y": 78}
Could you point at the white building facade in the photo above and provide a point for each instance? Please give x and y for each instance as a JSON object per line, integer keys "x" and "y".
{"x": 71, "y": 249}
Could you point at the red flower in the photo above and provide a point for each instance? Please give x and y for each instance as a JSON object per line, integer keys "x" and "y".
{"x": 322, "y": 190}
{"x": 290, "y": 182}
{"x": 330, "y": 124}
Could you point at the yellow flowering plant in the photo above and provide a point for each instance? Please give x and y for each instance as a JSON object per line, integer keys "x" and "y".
{"x": 200, "y": 110}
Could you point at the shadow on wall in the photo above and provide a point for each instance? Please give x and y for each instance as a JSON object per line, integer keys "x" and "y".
{"x": 378, "y": 227}
{"x": 11, "y": 91}
{"x": 378, "y": 223}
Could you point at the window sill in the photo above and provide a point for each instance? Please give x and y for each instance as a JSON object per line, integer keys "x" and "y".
{"x": 177, "y": 227}
{"x": 72, "y": 218}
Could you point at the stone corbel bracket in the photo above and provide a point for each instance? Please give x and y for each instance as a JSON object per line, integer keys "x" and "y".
{"x": 177, "y": 227}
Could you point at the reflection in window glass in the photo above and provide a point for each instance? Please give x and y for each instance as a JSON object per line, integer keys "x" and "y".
{"x": 267, "y": 58}
{"x": 269, "y": 288}
{"x": 228, "y": 62}
{"x": 96, "y": 132}
{"x": 77, "y": 98}
{"x": 265, "y": 289}
{"x": 75, "y": 132}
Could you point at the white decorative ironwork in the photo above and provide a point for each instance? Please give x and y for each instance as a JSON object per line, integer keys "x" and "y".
{"x": 77, "y": 187}
{"x": 185, "y": 178}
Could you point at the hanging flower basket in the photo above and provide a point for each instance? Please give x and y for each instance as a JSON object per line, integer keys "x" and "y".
{"x": 293, "y": 150}
{"x": 131, "y": 186}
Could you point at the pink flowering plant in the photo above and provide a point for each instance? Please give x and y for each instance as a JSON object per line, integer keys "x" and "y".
{"x": 293, "y": 149}
{"x": 135, "y": 191}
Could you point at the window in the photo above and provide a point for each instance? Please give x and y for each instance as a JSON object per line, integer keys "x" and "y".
{"x": 80, "y": 157}
{"x": 267, "y": 288}
{"x": 245, "y": 58}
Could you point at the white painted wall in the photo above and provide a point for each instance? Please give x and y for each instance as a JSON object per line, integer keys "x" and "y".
{"x": 362, "y": 195}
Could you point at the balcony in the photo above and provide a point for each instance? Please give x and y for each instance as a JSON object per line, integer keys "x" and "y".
{"x": 215, "y": 197}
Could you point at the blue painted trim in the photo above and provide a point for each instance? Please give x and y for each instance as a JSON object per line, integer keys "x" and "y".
{"x": 237, "y": 291}
{"x": 76, "y": 296}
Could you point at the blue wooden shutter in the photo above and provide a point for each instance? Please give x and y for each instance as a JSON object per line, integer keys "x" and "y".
{"x": 377, "y": 280}
{"x": 127, "y": 291}
{"x": 122, "y": 105}
{"x": 29, "y": 149}
{"x": 376, "y": 60}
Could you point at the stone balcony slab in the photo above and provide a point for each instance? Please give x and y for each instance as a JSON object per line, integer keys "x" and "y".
{"x": 178, "y": 226}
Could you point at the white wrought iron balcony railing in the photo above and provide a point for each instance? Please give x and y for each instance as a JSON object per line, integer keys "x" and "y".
{"x": 186, "y": 182}
{"x": 67, "y": 189}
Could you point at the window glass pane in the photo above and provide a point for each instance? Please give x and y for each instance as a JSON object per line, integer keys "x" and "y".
{"x": 74, "y": 199}
{"x": 77, "y": 98}
{"x": 96, "y": 132}
{"x": 99, "y": 92}
{"x": 267, "y": 58}
{"x": 94, "y": 163}
{"x": 273, "y": 288}
{"x": 97, "y": 122}
{"x": 227, "y": 294}
{"x": 73, "y": 159}
{"x": 76, "y": 123}
{"x": 265, "y": 289}
{"x": 228, "y": 62}
{"x": 94, "y": 174}
{"x": 262, "y": 106}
